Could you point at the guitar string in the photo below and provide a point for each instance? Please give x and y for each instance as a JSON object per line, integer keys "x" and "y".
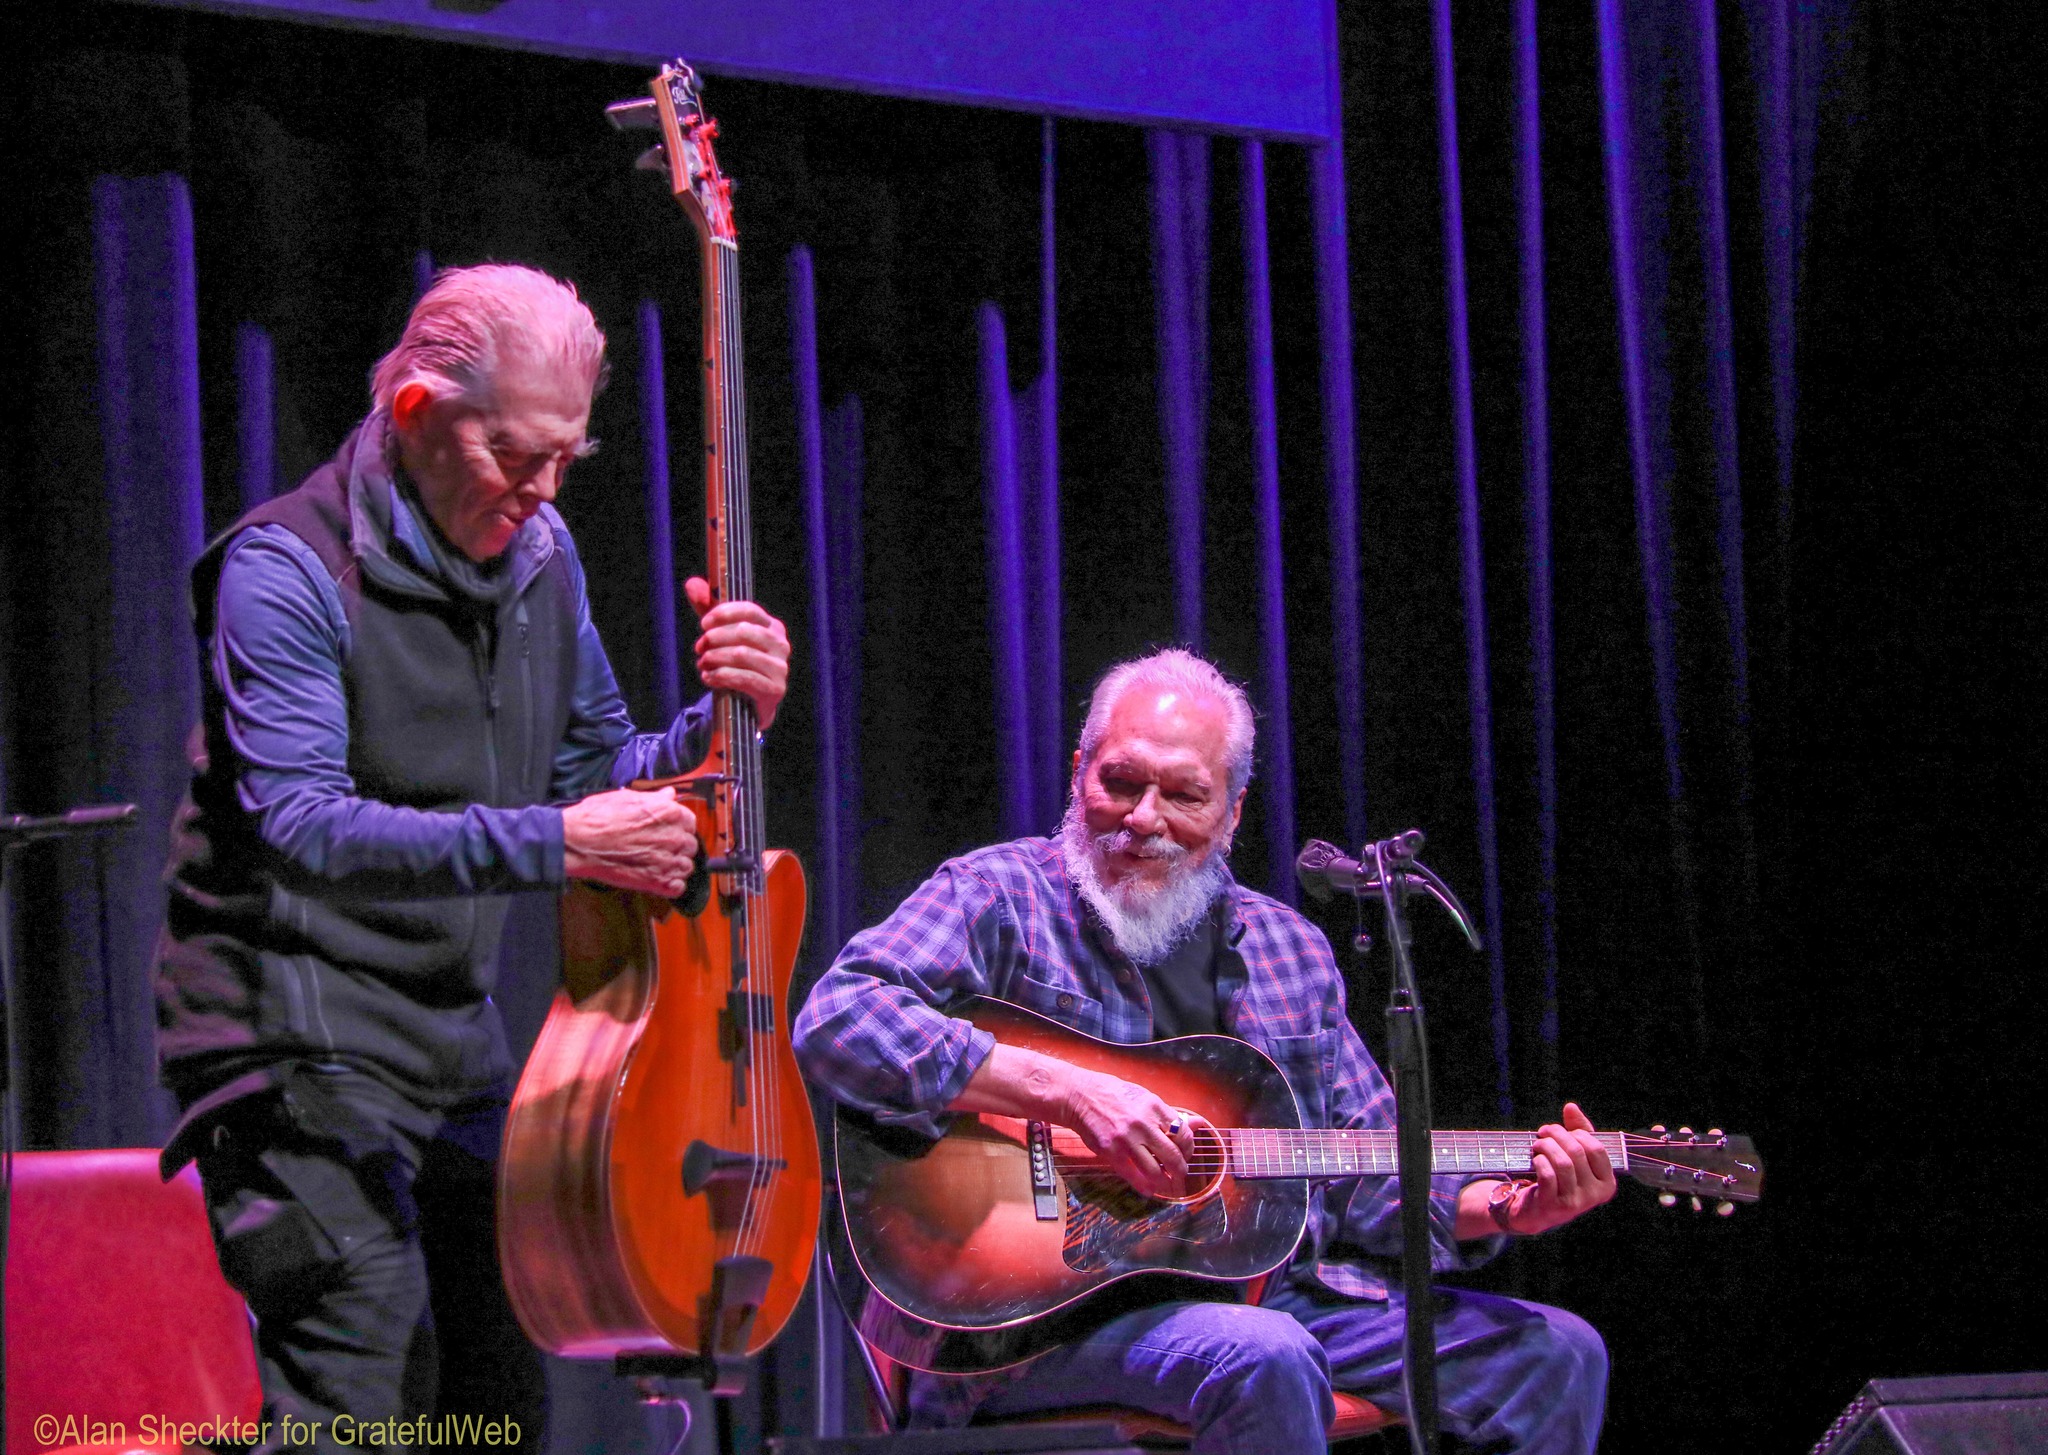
{"x": 760, "y": 962}
{"x": 1302, "y": 1161}
{"x": 763, "y": 1085}
{"x": 720, "y": 446}
{"x": 1643, "y": 1170}
{"x": 742, "y": 904}
{"x": 750, "y": 1232}
{"x": 1254, "y": 1143}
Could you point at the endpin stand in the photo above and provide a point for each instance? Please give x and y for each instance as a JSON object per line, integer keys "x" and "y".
{"x": 738, "y": 1284}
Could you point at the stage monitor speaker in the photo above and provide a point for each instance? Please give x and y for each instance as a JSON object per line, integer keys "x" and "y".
{"x": 1965, "y": 1414}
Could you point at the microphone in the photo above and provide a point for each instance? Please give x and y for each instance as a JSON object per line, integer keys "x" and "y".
{"x": 1321, "y": 867}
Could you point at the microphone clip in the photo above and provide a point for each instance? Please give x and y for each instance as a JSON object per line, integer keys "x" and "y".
{"x": 1383, "y": 869}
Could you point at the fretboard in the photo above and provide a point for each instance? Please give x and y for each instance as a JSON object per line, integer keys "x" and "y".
{"x": 1257, "y": 1152}
{"x": 729, "y": 530}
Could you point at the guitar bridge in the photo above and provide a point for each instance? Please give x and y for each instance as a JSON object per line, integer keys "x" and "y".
{"x": 1045, "y": 1197}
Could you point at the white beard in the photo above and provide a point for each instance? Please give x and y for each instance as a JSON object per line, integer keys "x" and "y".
{"x": 1147, "y": 923}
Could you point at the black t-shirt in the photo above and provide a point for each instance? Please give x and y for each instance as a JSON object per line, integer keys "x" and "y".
{"x": 1183, "y": 985}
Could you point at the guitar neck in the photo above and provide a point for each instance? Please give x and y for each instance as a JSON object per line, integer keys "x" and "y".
{"x": 728, "y": 524}
{"x": 1258, "y": 1152}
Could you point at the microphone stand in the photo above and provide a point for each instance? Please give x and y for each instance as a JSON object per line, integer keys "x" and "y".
{"x": 1396, "y": 872}
{"x": 16, "y": 830}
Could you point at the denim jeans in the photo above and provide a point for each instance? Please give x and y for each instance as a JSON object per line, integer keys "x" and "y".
{"x": 1511, "y": 1376}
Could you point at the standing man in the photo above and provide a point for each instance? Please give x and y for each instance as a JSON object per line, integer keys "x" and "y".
{"x": 1129, "y": 927}
{"x": 406, "y": 716}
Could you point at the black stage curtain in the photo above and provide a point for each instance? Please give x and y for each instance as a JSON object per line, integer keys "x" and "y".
{"x": 1824, "y": 942}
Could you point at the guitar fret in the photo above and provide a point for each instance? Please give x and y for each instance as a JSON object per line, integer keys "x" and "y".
{"x": 1352, "y": 1152}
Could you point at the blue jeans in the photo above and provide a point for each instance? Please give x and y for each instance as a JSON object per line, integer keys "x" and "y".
{"x": 1511, "y": 1376}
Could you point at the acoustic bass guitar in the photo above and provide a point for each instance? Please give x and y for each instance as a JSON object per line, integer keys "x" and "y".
{"x": 1004, "y": 1238}
{"x": 659, "y": 1189}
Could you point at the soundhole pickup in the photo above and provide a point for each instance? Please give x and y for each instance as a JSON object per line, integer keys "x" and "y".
{"x": 746, "y": 1011}
{"x": 746, "y": 1015}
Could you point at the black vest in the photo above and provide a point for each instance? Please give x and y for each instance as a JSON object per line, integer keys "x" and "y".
{"x": 451, "y": 703}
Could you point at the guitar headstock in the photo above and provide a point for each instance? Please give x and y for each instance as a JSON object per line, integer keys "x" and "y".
{"x": 1700, "y": 1166}
{"x": 674, "y": 107}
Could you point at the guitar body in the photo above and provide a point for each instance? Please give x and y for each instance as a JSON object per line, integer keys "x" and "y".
{"x": 604, "y": 1251}
{"x": 970, "y": 1269}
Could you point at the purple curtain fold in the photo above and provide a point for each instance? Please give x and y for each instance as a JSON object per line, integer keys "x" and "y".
{"x": 663, "y": 606}
{"x": 1276, "y": 733}
{"x": 1009, "y": 646}
{"x": 1646, "y": 57}
{"x": 91, "y": 968}
{"x": 844, "y": 480}
{"x": 1718, "y": 303}
{"x": 1465, "y": 459}
{"x": 825, "y": 647}
{"x": 828, "y": 462}
{"x": 1020, "y": 441}
{"x": 255, "y": 414}
{"x": 823, "y": 452}
{"x": 1542, "y": 656}
{"x": 1340, "y": 463}
{"x": 1048, "y": 667}
{"x": 1180, "y": 280}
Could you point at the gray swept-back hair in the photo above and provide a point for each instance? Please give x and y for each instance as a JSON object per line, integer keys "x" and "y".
{"x": 1176, "y": 667}
{"x": 459, "y": 329}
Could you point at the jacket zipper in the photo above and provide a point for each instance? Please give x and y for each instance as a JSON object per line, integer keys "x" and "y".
{"x": 487, "y": 674}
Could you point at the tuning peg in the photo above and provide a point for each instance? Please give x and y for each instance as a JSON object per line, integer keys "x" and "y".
{"x": 1685, "y": 1132}
{"x": 1724, "y": 1209}
{"x": 1659, "y": 1130}
{"x": 639, "y": 114}
{"x": 654, "y": 159}
{"x": 1715, "y": 1132}
{"x": 1695, "y": 1203}
{"x": 1667, "y": 1199}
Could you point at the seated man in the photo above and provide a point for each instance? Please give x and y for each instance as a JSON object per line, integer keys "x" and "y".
{"x": 1129, "y": 927}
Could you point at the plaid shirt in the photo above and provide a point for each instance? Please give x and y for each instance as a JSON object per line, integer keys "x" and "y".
{"x": 1006, "y": 921}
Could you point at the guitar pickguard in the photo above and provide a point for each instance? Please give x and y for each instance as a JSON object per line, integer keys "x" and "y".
{"x": 1109, "y": 1226}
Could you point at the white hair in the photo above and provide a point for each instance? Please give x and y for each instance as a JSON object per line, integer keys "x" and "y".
{"x": 1175, "y": 667}
{"x": 462, "y": 327}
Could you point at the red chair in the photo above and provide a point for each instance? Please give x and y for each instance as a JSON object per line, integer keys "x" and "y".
{"x": 119, "y": 1325}
{"x": 1077, "y": 1430}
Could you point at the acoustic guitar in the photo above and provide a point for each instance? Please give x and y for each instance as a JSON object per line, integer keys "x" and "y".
{"x": 1004, "y": 1238}
{"x": 659, "y": 1188}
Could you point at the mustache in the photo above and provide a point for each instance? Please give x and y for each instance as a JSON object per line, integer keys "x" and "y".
{"x": 1142, "y": 846}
